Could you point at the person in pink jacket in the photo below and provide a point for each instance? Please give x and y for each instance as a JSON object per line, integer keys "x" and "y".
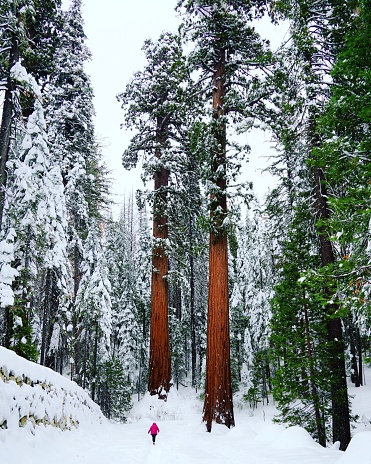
{"x": 154, "y": 430}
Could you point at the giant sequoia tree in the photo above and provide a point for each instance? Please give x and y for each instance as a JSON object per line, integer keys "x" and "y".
{"x": 152, "y": 106}
{"x": 227, "y": 53}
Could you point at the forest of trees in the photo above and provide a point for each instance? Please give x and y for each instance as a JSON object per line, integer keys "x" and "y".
{"x": 197, "y": 282}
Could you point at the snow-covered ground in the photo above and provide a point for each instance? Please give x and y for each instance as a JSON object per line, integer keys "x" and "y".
{"x": 183, "y": 440}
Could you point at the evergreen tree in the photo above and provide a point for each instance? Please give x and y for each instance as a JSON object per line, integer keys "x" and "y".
{"x": 250, "y": 315}
{"x": 27, "y": 35}
{"x": 113, "y": 390}
{"x": 121, "y": 249}
{"x": 69, "y": 116}
{"x": 152, "y": 106}
{"x": 298, "y": 337}
{"x": 344, "y": 155}
{"x": 93, "y": 303}
{"x": 37, "y": 215}
{"x": 228, "y": 51}
{"x": 143, "y": 267}
{"x": 316, "y": 39}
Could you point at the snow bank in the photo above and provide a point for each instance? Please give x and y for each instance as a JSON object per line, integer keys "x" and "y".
{"x": 174, "y": 408}
{"x": 32, "y": 395}
{"x": 270, "y": 433}
{"x": 359, "y": 450}
{"x": 294, "y": 438}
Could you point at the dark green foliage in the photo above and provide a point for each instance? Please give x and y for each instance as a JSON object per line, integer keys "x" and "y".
{"x": 300, "y": 384}
{"x": 112, "y": 390}
{"x": 22, "y": 341}
{"x": 346, "y": 152}
{"x": 252, "y": 397}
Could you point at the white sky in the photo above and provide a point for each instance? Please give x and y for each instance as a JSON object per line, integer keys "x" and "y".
{"x": 116, "y": 31}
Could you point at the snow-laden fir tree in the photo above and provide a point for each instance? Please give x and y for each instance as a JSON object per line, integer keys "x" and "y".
{"x": 69, "y": 116}
{"x": 70, "y": 129}
{"x": 36, "y": 211}
{"x": 93, "y": 310}
{"x": 27, "y": 35}
{"x": 120, "y": 254}
{"x": 143, "y": 269}
{"x": 250, "y": 303}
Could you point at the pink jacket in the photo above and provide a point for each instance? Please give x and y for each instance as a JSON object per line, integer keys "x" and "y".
{"x": 154, "y": 430}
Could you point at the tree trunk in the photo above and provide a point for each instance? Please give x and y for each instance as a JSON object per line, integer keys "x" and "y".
{"x": 192, "y": 305}
{"x": 159, "y": 356}
{"x": 359, "y": 350}
{"x": 355, "y": 378}
{"x": 218, "y": 405}
{"x": 316, "y": 401}
{"x": 46, "y": 318}
{"x": 5, "y": 130}
{"x": 339, "y": 392}
{"x": 95, "y": 363}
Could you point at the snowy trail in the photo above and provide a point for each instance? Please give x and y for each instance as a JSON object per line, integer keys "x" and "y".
{"x": 181, "y": 442}
{"x": 182, "y": 439}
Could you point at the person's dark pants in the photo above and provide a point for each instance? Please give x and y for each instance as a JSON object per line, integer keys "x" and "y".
{"x": 153, "y": 437}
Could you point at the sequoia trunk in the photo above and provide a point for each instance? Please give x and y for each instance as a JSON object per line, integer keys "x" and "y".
{"x": 218, "y": 405}
{"x": 159, "y": 358}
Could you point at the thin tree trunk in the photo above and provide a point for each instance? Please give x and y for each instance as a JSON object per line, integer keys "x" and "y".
{"x": 159, "y": 356}
{"x": 192, "y": 305}
{"x": 85, "y": 356}
{"x": 339, "y": 392}
{"x": 218, "y": 405}
{"x": 5, "y": 130}
{"x": 316, "y": 403}
{"x": 5, "y": 134}
{"x": 79, "y": 358}
{"x": 95, "y": 362}
{"x": 359, "y": 350}
{"x": 355, "y": 378}
{"x": 46, "y": 316}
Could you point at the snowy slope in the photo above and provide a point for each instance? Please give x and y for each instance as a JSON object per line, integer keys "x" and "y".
{"x": 182, "y": 438}
{"x": 32, "y": 396}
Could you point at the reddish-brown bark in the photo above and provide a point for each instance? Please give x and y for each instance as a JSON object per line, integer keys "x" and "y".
{"x": 159, "y": 359}
{"x": 218, "y": 405}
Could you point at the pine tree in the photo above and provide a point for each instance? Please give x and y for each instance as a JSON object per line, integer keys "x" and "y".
{"x": 69, "y": 116}
{"x": 27, "y": 36}
{"x": 317, "y": 38}
{"x": 298, "y": 336}
{"x": 33, "y": 190}
{"x": 343, "y": 156}
{"x": 93, "y": 304}
{"x": 113, "y": 390}
{"x": 126, "y": 323}
{"x": 254, "y": 264}
{"x": 143, "y": 266}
